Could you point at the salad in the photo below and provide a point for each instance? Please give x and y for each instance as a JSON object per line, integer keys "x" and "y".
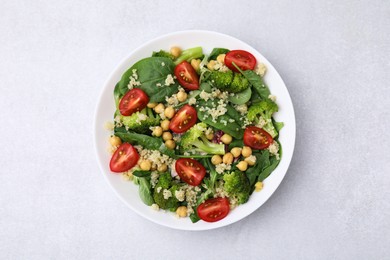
{"x": 194, "y": 131}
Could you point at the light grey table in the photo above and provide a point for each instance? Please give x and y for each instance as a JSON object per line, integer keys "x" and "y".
{"x": 334, "y": 57}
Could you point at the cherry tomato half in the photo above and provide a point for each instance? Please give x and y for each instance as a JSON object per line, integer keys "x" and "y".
{"x": 191, "y": 171}
{"x": 257, "y": 138}
{"x": 243, "y": 59}
{"x": 133, "y": 101}
{"x": 183, "y": 120}
{"x": 187, "y": 76}
{"x": 213, "y": 210}
{"x": 124, "y": 158}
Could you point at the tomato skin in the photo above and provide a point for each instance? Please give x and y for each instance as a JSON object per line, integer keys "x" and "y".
{"x": 183, "y": 120}
{"x": 191, "y": 171}
{"x": 187, "y": 76}
{"x": 124, "y": 158}
{"x": 134, "y": 100}
{"x": 213, "y": 210}
{"x": 243, "y": 59}
{"x": 257, "y": 138}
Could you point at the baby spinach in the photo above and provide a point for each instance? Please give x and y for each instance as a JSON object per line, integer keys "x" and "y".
{"x": 151, "y": 71}
{"x": 222, "y": 122}
{"x": 217, "y": 51}
{"x": 142, "y": 173}
{"x": 267, "y": 170}
{"x": 256, "y": 81}
{"x": 241, "y": 97}
{"x": 146, "y": 141}
{"x": 145, "y": 192}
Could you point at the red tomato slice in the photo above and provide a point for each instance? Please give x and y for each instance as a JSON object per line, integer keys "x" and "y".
{"x": 213, "y": 210}
{"x": 133, "y": 101}
{"x": 243, "y": 59}
{"x": 187, "y": 76}
{"x": 191, "y": 171}
{"x": 257, "y": 138}
{"x": 183, "y": 120}
{"x": 124, "y": 158}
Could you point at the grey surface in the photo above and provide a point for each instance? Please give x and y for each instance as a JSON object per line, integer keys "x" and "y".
{"x": 334, "y": 57}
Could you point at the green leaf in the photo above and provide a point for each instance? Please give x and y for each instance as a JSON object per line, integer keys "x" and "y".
{"x": 151, "y": 72}
{"x": 145, "y": 192}
{"x": 262, "y": 160}
{"x": 256, "y": 81}
{"x": 217, "y": 51}
{"x": 142, "y": 173}
{"x": 269, "y": 169}
{"x": 241, "y": 97}
{"x": 146, "y": 141}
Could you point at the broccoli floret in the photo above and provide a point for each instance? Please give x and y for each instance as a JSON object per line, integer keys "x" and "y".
{"x": 189, "y": 54}
{"x": 141, "y": 122}
{"x": 165, "y": 182}
{"x": 195, "y": 140}
{"x": 229, "y": 81}
{"x": 262, "y": 113}
{"x": 163, "y": 54}
{"x": 237, "y": 185}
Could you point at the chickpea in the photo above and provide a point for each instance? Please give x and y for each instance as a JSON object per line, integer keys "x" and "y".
{"x": 157, "y": 131}
{"x": 162, "y": 168}
{"x": 221, "y": 58}
{"x": 226, "y": 139}
{"x": 145, "y": 165}
{"x": 227, "y": 158}
{"x": 175, "y": 51}
{"x": 159, "y": 108}
{"x": 211, "y": 65}
{"x": 236, "y": 151}
{"x": 165, "y": 125}
{"x": 195, "y": 63}
{"x": 251, "y": 160}
{"x": 152, "y": 105}
{"x": 182, "y": 96}
{"x": 170, "y": 144}
{"x": 181, "y": 211}
{"x": 210, "y": 136}
{"x": 246, "y": 151}
{"x": 242, "y": 166}
{"x": 216, "y": 159}
{"x": 169, "y": 112}
{"x": 259, "y": 186}
{"x": 167, "y": 136}
{"x": 115, "y": 140}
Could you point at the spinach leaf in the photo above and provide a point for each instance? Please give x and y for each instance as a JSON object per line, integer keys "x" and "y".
{"x": 241, "y": 97}
{"x": 117, "y": 95}
{"x": 146, "y": 141}
{"x": 142, "y": 173}
{"x": 269, "y": 169}
{"x": 151, "y": 72}
{"x": 216, "y": 51}
{"x": 232, "y": 128}
{"x": 256, "y": 81}
{"x": 145, "y": 192}
{"x": 262, "y": 160}
{"x": 236, "y": 143}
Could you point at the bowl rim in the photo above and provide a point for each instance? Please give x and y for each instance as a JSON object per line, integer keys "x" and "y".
{"x": 124, "y": 61}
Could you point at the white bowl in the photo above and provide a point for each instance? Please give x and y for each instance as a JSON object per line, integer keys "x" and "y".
{"x": 128, "y": 192}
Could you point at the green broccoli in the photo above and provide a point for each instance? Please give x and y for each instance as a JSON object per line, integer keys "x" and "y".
{"x": 262, "y": 113}
{"x": 195, "y": 140}
{"x": 229, "y": 81}
{"x": 163, "y": 54}
{"x": 237, "y": 186}
{"x": 141, "y": 122}
{"x": 165, "y": 182}
{"x": 189, "y": 54}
